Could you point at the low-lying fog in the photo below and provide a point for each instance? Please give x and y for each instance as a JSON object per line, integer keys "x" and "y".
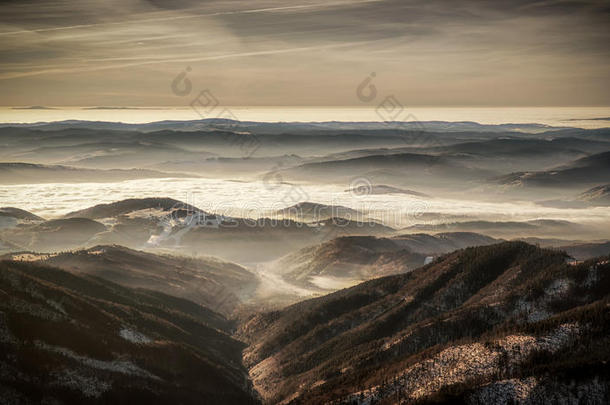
{"x": 260, "y": 198}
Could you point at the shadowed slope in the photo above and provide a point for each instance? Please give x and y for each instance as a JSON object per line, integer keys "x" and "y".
{"x": 77, "y": 339}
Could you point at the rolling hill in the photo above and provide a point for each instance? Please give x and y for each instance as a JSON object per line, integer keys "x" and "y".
{"x": 54, "y": 235}
{"x": 398, "y": 169}
{"x": 165, "y": 223}
{"x": 12, "y": 212}
{"x": 309, "y": 212}
{"x": 11, "y": 217}
{"x": 585, "y": 172}
{"x": 210, "y": 282}
{"x": 128, "y": 206}
{"x": 348, "y": 260}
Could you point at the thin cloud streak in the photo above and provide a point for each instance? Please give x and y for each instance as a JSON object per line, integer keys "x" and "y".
{"x": 188, "y": 17}
{"x": 305, "y": 52}
{"x": 181, "y": 60}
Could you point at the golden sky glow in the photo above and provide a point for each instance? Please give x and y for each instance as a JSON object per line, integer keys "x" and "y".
{"x": 427, "y": 53}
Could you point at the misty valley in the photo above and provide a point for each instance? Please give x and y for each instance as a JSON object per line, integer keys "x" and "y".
{"x": 304, "y": 202}
{"x": 229, "y": 262}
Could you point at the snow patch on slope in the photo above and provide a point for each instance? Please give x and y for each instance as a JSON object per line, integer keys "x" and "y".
{"x": 134, "y": 336}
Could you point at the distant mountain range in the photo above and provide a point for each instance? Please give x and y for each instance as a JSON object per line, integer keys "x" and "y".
{"x": 511, "y": 229}
{"x": 587, "y": 171}
{"x": 289, "y": 126}
{"x": 27, "y": 173}
{"x": 598, "y": 196}
{"x": 496, "y": 292}
{"x": 403, "y": 169}
{"x": 380, "y": 189}
{"x": 432, "y": 158}
{"x": 165, "y": 223}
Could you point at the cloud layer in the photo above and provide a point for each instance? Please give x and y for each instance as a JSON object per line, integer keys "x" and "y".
{"x": 309, "y": 52}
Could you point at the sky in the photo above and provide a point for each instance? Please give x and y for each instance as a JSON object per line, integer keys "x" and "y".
{"x": 305, "y": 52}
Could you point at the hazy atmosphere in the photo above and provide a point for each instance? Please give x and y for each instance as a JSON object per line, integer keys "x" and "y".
{"x": 304, "y": 202}
{"x": 260, "y": 53}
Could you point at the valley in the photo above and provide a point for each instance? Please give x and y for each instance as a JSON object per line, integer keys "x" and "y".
{"x": 375, "y": 271}
{"x": 304, "y": 202}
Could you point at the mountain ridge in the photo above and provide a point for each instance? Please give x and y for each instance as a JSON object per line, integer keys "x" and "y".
{"x": 344, "y": 341}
